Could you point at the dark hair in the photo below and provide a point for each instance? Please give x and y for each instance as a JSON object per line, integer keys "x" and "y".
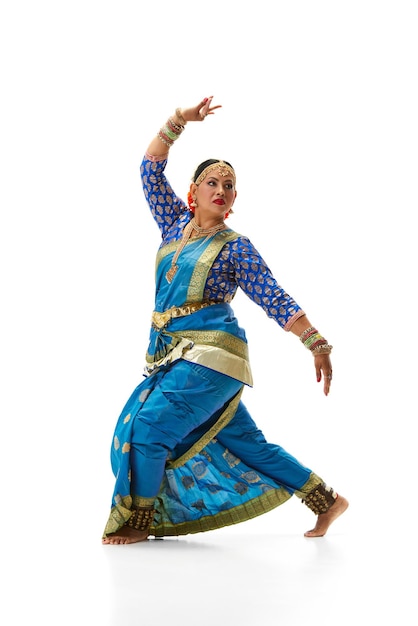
{"x": 206, "y": 164}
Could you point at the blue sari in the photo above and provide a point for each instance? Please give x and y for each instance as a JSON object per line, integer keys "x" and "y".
{"x": 220, "y": 470}
{"x": 205, "y": 484}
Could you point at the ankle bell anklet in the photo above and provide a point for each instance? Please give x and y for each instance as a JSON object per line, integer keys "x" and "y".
{"x": 141, "y": 518}
{"x": 320, "y": 499}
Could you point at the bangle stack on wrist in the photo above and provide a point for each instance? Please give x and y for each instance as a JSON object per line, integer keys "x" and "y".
{"x": 315, "y": 342}
{"x": 171, "y": 131}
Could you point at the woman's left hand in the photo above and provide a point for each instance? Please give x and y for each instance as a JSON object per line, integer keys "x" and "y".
{"x": 323, "y": 368}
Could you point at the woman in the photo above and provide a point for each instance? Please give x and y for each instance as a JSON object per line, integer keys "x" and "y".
{"x": 186, "y": 454}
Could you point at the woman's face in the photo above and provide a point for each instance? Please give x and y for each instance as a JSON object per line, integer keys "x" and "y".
{"x": 215, "y": 195}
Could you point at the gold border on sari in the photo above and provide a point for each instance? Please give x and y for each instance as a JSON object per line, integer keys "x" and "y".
{"x": 264, "y": 503}
{"x": 241, "y": 513}
{"x": 201, "y": 443}
{"x": 201, "y": 270}
{"x": 221, "y": 361}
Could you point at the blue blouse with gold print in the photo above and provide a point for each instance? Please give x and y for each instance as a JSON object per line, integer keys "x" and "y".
{"x": 193, "y": 319}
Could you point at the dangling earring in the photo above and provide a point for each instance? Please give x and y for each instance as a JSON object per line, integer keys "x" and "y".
{"x": 191, "y": 201}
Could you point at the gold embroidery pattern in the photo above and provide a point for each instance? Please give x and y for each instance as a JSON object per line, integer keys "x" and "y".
{"x": 313, "y": 481}
{"x": 231, "y": 459}
{"x": 188, "y": 482}
{"x": 253, "y": 508}
{"x": 161, "y": 319}
{"x": 241, "y": 488}
{"x": 119, "y": 514}
{"x": 251, "y": 477}
{"x": 167, "y": 249}
{"x": 204, "y": 264}
{"x": 217, "y": 338}
{"x": 199, "y": 469}
{"x": 138, "y": 501}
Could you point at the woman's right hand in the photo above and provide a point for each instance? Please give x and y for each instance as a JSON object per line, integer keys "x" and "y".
{"x": 159, "y": 148}
{"x": 200, "y": 111}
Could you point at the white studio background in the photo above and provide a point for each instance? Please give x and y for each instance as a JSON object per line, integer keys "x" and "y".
{"x": 319, "y": 120}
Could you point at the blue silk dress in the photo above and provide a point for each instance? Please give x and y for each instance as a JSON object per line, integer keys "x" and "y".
{"x": 185, "y": 442}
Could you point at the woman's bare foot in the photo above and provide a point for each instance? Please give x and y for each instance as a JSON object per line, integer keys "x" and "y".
{"x": 325, "y": 520}
{"x": 125, "y": 535}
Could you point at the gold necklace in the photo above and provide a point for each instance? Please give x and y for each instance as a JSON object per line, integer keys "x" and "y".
{"x": 192, "y": 225}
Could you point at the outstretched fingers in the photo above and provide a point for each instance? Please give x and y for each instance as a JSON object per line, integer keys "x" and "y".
{"x": 205, "y": 107}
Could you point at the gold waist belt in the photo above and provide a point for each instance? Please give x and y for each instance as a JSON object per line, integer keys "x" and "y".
{"x": 160, "y": 320}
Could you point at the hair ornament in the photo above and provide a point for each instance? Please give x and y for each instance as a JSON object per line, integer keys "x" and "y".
{"x": 223, "y": 169}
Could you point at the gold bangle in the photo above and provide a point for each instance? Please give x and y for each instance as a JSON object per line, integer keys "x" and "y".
{"x": 180, "y": 117}
{"x": 306, "y": 332}
{"x": 324, "y": 348}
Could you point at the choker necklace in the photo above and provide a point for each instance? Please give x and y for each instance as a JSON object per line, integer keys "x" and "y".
{"x": 191, "y": 226}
